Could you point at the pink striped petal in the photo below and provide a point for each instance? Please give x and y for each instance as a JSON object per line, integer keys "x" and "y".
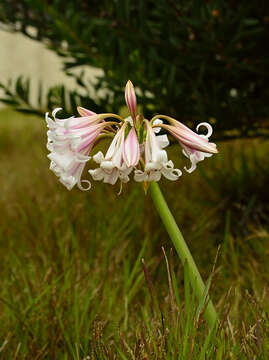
{"x": 131, "y": 152}
{"x": 84, "y": 112}
{"x": 190, "y": 139}
{"x": 130, "y": 99}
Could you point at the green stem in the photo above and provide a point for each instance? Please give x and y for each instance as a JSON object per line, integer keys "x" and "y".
{"x": 182, "y": 249}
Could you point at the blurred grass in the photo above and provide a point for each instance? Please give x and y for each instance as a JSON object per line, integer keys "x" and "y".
{"x": 73, "y": 284}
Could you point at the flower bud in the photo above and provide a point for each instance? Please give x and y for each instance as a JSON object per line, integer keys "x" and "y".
{"x": 84, "y": 112}
{"x": 131, "y": 152}
{"x": 130, "y": 99}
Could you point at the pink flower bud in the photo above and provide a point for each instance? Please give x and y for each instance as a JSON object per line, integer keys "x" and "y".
{"x": 84, "y": 112}
{"x": 131, "y": 152}
{"x": 130, "y": 99}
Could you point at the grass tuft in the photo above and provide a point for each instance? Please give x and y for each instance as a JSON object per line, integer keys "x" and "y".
{"x": 92, "y": 275}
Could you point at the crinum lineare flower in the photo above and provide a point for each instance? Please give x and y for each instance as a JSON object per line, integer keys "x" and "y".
{"x": 70, "y": 142}
{"x": 112, "y": 165}
{"x": 156, "y": 161}
{"x": 136, "y": 146}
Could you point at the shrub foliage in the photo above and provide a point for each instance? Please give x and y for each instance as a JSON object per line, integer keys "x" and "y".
{"x": 195, "y": 60}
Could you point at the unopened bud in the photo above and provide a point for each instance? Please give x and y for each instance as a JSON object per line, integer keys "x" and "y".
{"x": 130, "y": 99}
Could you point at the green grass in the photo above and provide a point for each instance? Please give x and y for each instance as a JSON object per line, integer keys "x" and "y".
{"x": 84, "y": 276}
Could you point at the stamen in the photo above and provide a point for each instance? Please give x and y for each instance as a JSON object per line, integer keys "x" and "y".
{"x": 110, "y": 115}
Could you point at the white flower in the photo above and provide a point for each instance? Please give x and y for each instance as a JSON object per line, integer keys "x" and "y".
{"x": 157, "y": 129}
{"x": 70, "y": 142}
{"x": 156, "y": 160}
{"x": 112, "y": 165}
{"x": 196, "y": 156}
{"x": 195, "y": 147}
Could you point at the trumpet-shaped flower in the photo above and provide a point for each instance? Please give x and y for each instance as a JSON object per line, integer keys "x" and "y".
{"x": 112, "y": 165}
{"x": 189, "y": 138}
{"x": 70, "y": 142}
{"x": 196, "y": 147}
{"x": 156, "y": 160}
{"x": 196, "y": 156}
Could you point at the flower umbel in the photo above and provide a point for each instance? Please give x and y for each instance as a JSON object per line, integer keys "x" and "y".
{"x": 136, "y": 145}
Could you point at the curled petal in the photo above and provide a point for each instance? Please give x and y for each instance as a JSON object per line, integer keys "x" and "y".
{"x": 209, "y": 129}
{"x": 82, "y": 158}
{"x": 157, "y": 122}
{"x": 97, "y": 174}
{"x": 169, "y": 172}
{"x": 99, "y": 157}
{"x": 54, "y": 112}
{"x": 82, "y": 187}
{"x": 50, "y": 123}
{"x": 140, "y": 176}
{"x": 195, "y": 157}
{"x": 186, "y": 137}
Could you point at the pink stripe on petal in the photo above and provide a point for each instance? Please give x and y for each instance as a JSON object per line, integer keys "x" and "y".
{"x": 90, "y": 139}
{"x": 85, "y": 112}
{"x": 191, "y": 139}
{"x": 77, "y": 123}
{"x": 131, "y": 151}
{"x": 130, "y": 99}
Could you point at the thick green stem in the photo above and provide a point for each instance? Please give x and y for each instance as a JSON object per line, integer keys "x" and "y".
{"x": 182, "y": 250}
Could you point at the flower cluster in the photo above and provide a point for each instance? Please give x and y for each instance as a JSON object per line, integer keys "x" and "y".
{"x": 137, "y": 146}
